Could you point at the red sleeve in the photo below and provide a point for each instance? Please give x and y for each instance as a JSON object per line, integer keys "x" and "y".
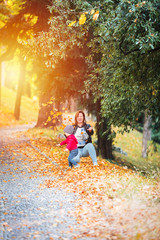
{"x": 76, "y": 140}
{"x": 63, "y": 142}
{"x": 69, "y": 144}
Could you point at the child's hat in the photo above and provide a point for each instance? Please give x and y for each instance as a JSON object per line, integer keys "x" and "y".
{"x": 69, "y": 129}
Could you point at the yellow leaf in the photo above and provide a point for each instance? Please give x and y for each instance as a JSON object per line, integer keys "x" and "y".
{"x": 92, "y": 11}
{"x": 71, "y": 24}
{"x": 59, "y": 113}
{"x": 96, "y": 15}
{"x": 44, "y": 104}
{"x": 9, "y": 3}
{"x": 49, "y": 119}
{"x": 82, "y": 19}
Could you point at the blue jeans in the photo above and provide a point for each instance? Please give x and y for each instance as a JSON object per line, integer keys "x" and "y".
{"x": 72, "y": 154}
{"x": 86, "y": 151}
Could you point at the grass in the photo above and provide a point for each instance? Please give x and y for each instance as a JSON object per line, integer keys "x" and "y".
{"x": 131, "y": 143}
{"x": 28, "y": 110}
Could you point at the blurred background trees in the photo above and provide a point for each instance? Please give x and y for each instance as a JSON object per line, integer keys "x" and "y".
{"x": 105, "y": 54}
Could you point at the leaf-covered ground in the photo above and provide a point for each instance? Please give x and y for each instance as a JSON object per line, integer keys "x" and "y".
{"x": 6, "y": 119}
{"x": 113, "y": 202}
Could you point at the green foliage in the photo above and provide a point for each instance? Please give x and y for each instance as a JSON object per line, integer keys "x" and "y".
{"x": 135, "y": 25}
{"x": 121, "y": 52}
{"x": 126, "y": 76}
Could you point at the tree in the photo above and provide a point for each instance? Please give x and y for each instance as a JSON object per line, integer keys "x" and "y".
{"x": 18, "y": 22}
{"x": 119, "y": 41}
{"x": 57, "y": 50}
{"x": 127, "y": 36}
{"x": 59, "y": 83}
{"x": 146, "y": 134}
{"x": 20, "y": 88}
{"x": 134, "y": 85}
{"x": 6, "y": 43}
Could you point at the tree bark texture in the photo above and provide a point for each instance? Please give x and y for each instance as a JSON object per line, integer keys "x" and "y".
{"x": 0, "y": 84}
{"x": 146, "y": 133}
{"x": 104, "y": 143}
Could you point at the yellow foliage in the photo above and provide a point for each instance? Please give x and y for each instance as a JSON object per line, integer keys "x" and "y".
{"x": 10, "y": 3}
{"x": 71, "y": 24}
{"x": 49, "y": 119}
{"x": 32, "y": 19}
{"x": 92, "y": 11}
{"x": 44, "y": 104}
{"x": 59, "y": 113}
{"x": 2, "y": 24}
{"x": 82, "y": 19}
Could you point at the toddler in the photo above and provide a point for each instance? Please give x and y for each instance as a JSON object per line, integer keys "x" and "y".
{"x": 71, "y": 142}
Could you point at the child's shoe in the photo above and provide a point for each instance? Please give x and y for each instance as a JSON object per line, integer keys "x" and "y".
{"x": 95, "y": 164}
{"x": 76, "y": 166}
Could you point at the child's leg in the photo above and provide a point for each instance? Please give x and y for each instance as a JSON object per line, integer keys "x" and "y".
{"x": 78, "y": 156}
{"x": 70, "y": 164}
{"x": 69, "y": 157}
{"x": 72, "y": 155}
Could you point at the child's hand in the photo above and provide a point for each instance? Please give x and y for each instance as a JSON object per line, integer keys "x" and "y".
{"x": 58, "y": 145}
{"x": 66, "y": 150}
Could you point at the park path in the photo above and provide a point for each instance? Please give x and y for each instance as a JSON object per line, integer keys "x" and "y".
{"x": 27, "y": 211}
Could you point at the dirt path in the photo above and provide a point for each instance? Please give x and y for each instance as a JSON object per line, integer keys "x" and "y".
{"x": 7, "y": 134}
{"x": 26, "y": 211}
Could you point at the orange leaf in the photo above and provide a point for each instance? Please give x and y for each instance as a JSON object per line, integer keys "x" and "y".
{"x": 95, "y": 15}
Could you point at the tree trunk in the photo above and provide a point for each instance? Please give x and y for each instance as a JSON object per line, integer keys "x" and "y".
{"x": 104, "y": 143}
{"x": 20, "y": 89}
{"x": 0, "y": 85}
{"x": 28, "y": 89}
{"x": 146, "y": 133}
{"x": 2, "y": 79}
{"x": 48, "y": 115}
